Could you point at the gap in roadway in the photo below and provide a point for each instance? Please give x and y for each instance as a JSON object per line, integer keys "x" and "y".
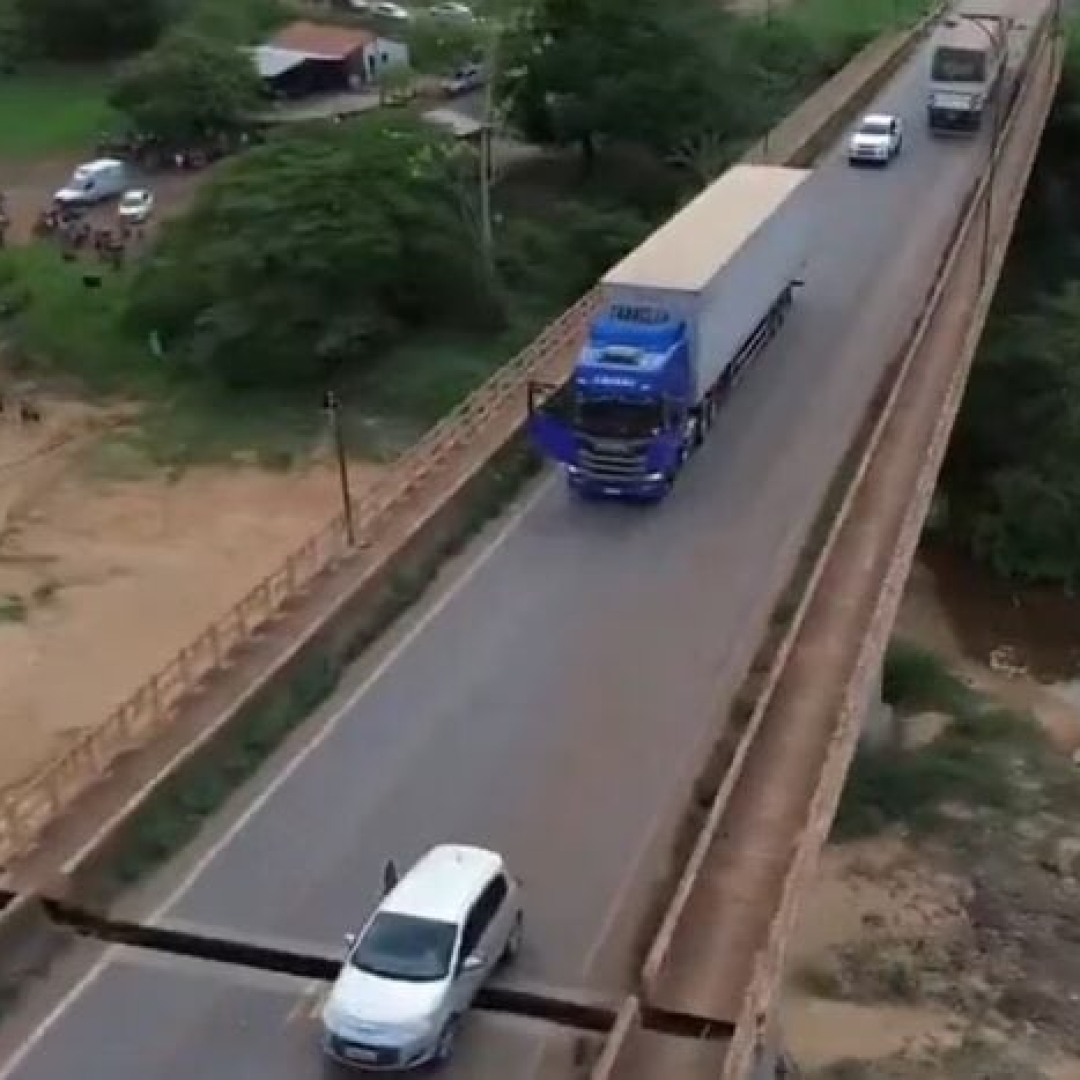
{"x": 556, "y": 1006}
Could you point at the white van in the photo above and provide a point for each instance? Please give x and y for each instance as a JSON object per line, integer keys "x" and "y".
{"x": 93, "y": 183}
{"x": 414, "y": 970}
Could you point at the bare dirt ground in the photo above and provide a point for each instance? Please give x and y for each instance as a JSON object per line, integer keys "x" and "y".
{"x": 102, "y": 580}
{"x": 953, "y": 955}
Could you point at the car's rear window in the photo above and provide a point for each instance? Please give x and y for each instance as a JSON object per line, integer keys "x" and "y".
{"x": 406, "y": 947}
{"x": 874, "y": 127}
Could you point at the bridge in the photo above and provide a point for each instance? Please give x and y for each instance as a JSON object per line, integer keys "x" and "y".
{"x": 582, "y": 670}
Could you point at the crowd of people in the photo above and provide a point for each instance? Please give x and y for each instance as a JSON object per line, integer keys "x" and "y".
{"x": 76, "y": 233}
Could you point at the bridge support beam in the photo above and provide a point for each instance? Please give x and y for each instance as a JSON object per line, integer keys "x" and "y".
{"x": 878, "y": 730}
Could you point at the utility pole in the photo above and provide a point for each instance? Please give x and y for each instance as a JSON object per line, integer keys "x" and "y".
{"x": 996, "y": 40}
{"x": 988, "y": 205}
{"x": 332, "y": 408}
{"x": 491, "y": 62}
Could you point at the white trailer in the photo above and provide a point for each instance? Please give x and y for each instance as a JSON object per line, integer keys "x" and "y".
{"x": 721, "y": 265}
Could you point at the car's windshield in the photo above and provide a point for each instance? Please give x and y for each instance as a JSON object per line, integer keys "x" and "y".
{"x": 952, "y": 64}
{"x": 132, "y": 199}
{"x": 874, "y": 127}
{"x": 405, "y": 947}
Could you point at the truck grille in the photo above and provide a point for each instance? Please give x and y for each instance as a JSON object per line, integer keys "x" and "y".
{"x": 609, "y": 460}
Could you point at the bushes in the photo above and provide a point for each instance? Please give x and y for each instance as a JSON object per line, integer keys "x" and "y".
{"x": 1010, "y": 488}
{"x": 972, "y": 761}
{"x": 312, "y": 255}
{"x": 352, "y": 251}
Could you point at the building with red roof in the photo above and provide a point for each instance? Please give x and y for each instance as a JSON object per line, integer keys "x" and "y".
{"x": 305, "y": 58}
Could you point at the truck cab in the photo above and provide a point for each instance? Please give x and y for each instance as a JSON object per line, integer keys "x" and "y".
{"x": 619, "y": 424}
{"x": 967, "y": 61}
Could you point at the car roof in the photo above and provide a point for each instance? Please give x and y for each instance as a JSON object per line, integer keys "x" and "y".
{"x": 444, "y": 883}
{"x": 877, "y": 118}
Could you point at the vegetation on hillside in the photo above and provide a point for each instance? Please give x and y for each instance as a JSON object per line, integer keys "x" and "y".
{"x": 353, "y": 251}
{"x": 1011, "y": 484}
{"x": 189, "y": 86}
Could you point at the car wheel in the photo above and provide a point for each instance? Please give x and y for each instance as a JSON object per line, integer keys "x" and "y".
{"x": 447, "y": 1037}
{"x": 513, "y": 942}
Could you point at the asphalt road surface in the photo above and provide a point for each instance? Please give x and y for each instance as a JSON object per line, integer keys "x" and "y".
{"x": 555, "y": 700}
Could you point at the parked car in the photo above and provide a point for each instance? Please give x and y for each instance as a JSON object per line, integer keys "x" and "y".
{"x": 465, "y": 79}
{"x": 877, "y": 140}
{"x": 390, "y": 11}
{"x": 136, "y": 206}
{"x": 416, "y": 967}
{"x": 452, "y": 10}
{"x": 93, "y": 182}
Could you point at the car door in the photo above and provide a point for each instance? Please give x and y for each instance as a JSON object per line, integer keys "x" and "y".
{"x": 468, "y": 982}
{"x": 494, "y": 902}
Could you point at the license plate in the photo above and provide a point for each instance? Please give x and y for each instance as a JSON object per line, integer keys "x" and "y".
{"x": 358, "y": 1053}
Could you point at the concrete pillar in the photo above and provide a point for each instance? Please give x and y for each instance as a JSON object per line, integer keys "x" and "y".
{"x": 879, "y": 725}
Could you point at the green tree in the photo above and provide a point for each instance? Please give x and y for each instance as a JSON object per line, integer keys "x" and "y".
{"x": 397, "y": 85}
{"x": 187, "y": 88}
{"x": 315, "y": 252}
{"x": 1011, "y": 478}
{"x": 78, "y": 30}
{"x": 440, "y": 45}
{"x": 1010, "y": 481}
{"x": 12, "y": 37}
{"x": 650, "y": 72}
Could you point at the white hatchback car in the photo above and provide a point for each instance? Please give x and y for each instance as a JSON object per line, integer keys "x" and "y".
{"x": 135, "y": 206}
{"x": 414, "y": 970}
{"x": 877, "y": 140}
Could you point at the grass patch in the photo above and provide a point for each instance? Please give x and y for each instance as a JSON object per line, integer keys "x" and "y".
{"x": 422, "y": 380}
{"x": 916, "y": 679}
{"x": 841, "y": 22}
{"x": 173, "y": 817}
{"x": 76, "y": 338}
{"x": 52, "y": 112}
{"x": 13, "y": 608}
{"x": 976, "y": 761}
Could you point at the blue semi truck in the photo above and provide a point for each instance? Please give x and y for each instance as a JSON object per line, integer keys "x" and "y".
{"x": 680, "y": 318}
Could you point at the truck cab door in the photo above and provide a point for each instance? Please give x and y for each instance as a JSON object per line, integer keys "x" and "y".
{"x": 550, "y": 422}
{"x": 666, "y": 448}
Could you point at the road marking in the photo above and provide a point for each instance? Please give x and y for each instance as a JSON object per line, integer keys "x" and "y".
{"x": 309, "y": 1003}
{"x": 428, "y": 616}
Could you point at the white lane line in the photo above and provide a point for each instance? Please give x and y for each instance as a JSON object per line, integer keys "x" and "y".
{"x": 429, "y": 615}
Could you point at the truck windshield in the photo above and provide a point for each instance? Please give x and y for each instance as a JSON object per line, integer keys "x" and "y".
{"x": 958, "y": 65}
{"x": 612, "y": 417}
